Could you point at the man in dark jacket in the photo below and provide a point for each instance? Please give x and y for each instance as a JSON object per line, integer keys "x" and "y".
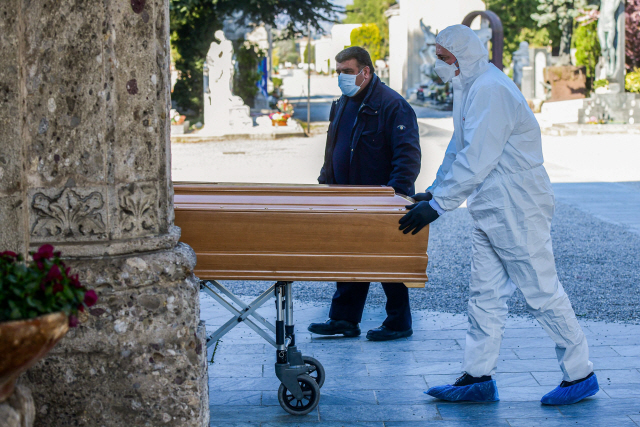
{"x": 373, "y": 139}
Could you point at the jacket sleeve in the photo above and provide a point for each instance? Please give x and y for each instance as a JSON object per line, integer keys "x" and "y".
{"x": 449, "y": 157}
{"x": 322, "y": 179}
{"x": 487, "y": 124}
{"x": 402, "y": 131}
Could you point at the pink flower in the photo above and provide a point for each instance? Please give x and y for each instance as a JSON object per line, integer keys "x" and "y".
{"x": 58, "y": 288}
{"x": 44, "y": 252}
{"x": 54, "y": 273}
{"x": 75, "y": 282}
{"x": 73, "y": 321}
{"x": 81, "y": 308}
{"x": 90, "y": 298}
{"x": 8, "y": 254}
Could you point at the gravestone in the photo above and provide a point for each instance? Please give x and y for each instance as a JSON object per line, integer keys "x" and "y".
{"x": 540, "y": 62}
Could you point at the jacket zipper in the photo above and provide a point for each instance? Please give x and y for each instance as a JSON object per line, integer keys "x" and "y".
{"x": 355, "y": 125}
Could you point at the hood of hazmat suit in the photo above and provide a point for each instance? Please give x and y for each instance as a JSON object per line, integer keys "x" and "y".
{"x": 494, "y": 161}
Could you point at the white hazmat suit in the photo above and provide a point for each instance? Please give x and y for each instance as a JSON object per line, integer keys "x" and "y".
{"x": 494, "y": 161}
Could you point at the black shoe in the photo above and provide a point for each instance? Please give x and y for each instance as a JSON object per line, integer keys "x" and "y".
{"x": 383, "y": 333}
{"x": 467, "y": 379}
{"x": 335, "y": 327}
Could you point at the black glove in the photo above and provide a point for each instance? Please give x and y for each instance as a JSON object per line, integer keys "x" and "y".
{"x": 420, "y": 215}
{"x": 422, "y": 197}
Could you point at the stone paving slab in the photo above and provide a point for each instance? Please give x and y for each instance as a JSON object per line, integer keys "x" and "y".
{"x": 567, "y": 422}
{"x": 383, "y": 384}
{"x": 352, "y": 413}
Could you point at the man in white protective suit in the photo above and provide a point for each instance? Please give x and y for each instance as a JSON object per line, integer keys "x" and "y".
{"x": 494, "y": 161}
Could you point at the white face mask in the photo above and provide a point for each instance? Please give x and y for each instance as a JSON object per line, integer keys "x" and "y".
{"x": 347, "y": 83}
{"x": 446, "y": 71}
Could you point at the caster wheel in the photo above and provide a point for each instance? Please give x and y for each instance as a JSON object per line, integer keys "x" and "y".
{"x": 310, "y": 399}
{"x": 318, "y": 375}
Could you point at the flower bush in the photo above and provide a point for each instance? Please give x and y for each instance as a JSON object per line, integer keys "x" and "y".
{"x": 632, "y": 81}
{"x": 279, "y": 117}
{"x": 285, "y": 107}
{"x": 41, "y": 286}
{"x": 176, "y": 118}
{"x": 600, "y": 83}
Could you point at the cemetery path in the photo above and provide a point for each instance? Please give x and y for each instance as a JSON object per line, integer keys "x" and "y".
{"x": 382, "y": 383}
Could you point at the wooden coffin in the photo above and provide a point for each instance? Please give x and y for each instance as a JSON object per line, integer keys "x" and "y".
{"x": 299, "y": 232}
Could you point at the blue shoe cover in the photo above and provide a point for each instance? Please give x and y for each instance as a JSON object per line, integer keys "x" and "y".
{"x": 572, "y": 394}
{"x": 486, "y": 391}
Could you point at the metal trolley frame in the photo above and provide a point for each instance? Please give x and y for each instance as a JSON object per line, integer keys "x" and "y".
{"x": 301, "y": 377}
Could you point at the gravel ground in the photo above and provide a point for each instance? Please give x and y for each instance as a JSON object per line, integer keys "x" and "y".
{"x": 597, "y": 262}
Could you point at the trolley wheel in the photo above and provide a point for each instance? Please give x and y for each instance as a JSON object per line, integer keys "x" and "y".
{"x": 318, "y": 375}
{"x": 310, "y": 399}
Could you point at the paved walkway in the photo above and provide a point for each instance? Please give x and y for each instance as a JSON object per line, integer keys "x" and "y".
{"x": 382, "y": 384}
{"x": 614, "y": 202}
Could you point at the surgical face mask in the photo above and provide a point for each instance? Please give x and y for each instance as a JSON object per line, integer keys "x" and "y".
{"x": 347, "y": 83}
{"x": 446, "y": 71}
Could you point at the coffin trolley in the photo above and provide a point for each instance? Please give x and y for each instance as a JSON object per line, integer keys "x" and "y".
{"x": 288, "y": 233}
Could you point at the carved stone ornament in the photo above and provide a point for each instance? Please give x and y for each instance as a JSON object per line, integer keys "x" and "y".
{"x": 68, "y": 215}
{"x": 137, "y": 211}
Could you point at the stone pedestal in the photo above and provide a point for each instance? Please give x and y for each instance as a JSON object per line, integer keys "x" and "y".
{"x": 617, "y": 107}
{"x": 528, "y": 82}
{"x": 85, "y": 166}
{"x": 18, "y": 410}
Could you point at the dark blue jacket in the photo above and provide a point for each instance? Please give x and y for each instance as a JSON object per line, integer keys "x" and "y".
{"x": 385, "y": 143}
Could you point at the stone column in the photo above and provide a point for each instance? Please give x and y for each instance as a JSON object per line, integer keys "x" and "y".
{"x": 85, "y": 166}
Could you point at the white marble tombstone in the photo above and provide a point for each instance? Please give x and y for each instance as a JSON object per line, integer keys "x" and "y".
{"x": 540, "y": 62}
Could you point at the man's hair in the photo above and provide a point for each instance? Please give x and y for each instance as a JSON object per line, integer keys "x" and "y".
{"x": 359, "y": 54}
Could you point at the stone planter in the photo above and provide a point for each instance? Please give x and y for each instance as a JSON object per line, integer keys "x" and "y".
{"x": 23, "y": 343}
{"x": 180, "y": 129}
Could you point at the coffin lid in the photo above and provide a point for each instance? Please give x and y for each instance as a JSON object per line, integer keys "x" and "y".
{"x": 288, "y": 197}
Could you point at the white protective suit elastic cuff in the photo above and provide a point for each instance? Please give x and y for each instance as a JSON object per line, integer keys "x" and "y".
{"x": 436, "y": 207}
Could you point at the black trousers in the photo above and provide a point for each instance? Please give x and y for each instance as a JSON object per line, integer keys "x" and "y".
{"x": 348, "y": 304}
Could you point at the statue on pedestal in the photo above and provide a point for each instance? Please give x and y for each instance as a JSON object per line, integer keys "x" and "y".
{"x": 611, "y": 104}
{"x": 611, "y": 27}
{"x": 224, "y": 113}
{"x": 520, "y": 60}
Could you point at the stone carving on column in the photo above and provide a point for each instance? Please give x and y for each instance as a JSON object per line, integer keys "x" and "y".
{"x": 68, "y": 214}
{"x": 137, "y": 208}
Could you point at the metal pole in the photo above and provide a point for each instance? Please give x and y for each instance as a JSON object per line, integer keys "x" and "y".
{"x": 270, "y": 52}
{"x": 309, "y": 79}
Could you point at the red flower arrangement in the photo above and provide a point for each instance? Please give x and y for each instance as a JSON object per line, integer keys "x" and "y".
{"x": 42, "y": 286}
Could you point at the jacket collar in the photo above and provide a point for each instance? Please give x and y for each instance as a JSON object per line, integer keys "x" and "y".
{"x": 369, "y": 98}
